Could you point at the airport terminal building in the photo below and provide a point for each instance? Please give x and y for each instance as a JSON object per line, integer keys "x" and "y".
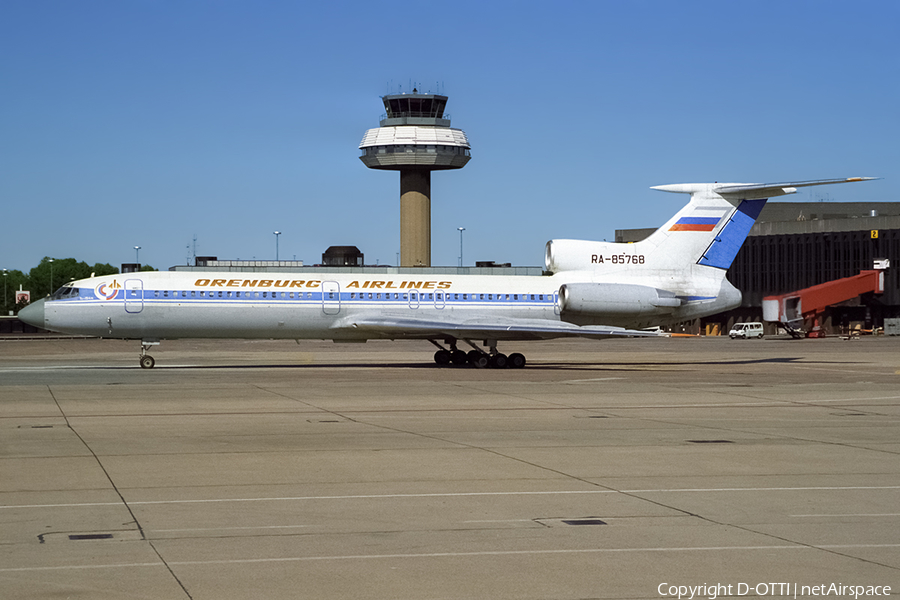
{"x": 796, "y": 245}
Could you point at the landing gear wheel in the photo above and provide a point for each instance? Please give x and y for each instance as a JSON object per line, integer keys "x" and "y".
{"x": 147, "y": 362}
{"x": 472, "y": 355}
{"x": 458, "y": 357}
{"x": 442, "y": 357}
{"x": 499, "y": 361}
{"x": 516, "y": 360}
{"x": 481, "y": 361}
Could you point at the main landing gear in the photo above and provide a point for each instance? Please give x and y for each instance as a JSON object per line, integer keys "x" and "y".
{"x": 476, "y": 357}
{"x": 147, "y": 361}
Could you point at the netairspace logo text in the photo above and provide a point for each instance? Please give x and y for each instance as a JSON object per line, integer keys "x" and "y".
{"x": 793, "y": 590}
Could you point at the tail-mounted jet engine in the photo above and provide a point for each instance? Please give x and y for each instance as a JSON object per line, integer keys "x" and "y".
{"x": 613, "y": 302}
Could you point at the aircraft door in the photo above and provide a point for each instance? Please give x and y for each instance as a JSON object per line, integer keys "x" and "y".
{"x": 331, "y": 297}
{"x": 413, "y": 299}
{"x": 439, "y": 300}
{"x": 134, "y": 296}
{"x": 556, "y": 302}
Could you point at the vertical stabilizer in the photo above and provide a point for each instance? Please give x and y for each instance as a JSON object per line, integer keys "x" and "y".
{"x": 710, "y": 230}
{"x": 707, "y": 231}
{"x": 699, "y": 242}
{"x": 727, "y": 242}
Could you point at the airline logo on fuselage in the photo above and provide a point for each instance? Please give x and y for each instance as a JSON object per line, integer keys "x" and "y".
{"x": 314, "y": 283}
{"x": 107, "y": 291}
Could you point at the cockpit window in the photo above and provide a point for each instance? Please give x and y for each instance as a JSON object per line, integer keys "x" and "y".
{"x": 65, "y": 291}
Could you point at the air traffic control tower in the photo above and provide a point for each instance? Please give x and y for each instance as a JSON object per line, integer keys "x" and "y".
{"x": 415, "y": 138}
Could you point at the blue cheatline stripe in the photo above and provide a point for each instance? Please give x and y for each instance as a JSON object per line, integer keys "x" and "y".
{"x": 725, "y": 246}
{"x": 163, "y": 297}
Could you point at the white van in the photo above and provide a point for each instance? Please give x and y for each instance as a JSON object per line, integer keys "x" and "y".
{"x": 746, "y": 330}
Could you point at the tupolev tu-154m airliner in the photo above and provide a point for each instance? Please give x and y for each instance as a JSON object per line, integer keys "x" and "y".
{"x": 591, "y": 289}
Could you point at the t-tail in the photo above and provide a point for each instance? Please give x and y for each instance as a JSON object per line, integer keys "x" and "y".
{"x": 708, "y": 231}
{"x": 682, "y": 264}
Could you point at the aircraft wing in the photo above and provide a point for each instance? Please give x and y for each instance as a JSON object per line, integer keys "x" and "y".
{"x": 494, "y": 328}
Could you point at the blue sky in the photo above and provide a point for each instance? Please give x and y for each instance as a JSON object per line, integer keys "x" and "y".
{"x": 149, "y": 122}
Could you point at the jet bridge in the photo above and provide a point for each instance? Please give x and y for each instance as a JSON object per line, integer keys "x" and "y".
{"x": 791, "y": 310}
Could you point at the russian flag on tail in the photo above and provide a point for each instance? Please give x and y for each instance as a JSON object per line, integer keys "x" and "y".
{"x": 695, "y": 224}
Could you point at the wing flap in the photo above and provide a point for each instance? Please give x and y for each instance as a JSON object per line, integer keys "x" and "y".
{"x": 498, "y": 328}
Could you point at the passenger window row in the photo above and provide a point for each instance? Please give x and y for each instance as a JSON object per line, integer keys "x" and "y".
{"x": 439, "y": 296}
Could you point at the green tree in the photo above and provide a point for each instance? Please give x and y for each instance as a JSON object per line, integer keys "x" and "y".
{"x": 11, "y": 282}
{"x": 50, "y": 274}
{"x": 148, "y": 268}
{"x": 101, "y": 269}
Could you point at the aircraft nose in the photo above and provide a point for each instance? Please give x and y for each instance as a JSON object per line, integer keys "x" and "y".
{"x": 33, "y": 314}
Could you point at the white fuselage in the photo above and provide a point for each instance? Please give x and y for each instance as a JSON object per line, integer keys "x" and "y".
{"x": 596, "y": 290}
{"x": 168, "y": 305}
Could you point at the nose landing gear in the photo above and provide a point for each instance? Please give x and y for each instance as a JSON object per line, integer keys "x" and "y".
{"x": 147, "y": 361}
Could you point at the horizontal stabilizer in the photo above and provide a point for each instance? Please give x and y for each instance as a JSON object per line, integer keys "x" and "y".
{"x": 768, "y": 190}
{"x": 751, "y": 191}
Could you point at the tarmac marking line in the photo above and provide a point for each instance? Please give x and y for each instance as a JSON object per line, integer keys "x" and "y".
{"x": 851, "y": 515}
{"x": 502, "y": 521}
{"x": 231, "y": 528}
{"x": 460, "y": 495}
{"x": 448, "y": 555}
{"x": 86, "y": 367}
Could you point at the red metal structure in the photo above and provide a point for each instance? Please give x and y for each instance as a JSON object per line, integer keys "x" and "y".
{"x": 792, "y": 309}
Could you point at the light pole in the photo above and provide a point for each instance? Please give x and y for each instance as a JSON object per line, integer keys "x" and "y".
{"x": 277, "y": 233}
{"x": 5, "y": 307}
{"x": 461, "y": 229}
{"x": 51, "y": 275}
{"x": 137, "y": 253}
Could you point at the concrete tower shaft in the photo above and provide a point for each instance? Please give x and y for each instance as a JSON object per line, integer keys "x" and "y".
{"x": 415, "y": 218}
{"x": 415, "y": 138}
